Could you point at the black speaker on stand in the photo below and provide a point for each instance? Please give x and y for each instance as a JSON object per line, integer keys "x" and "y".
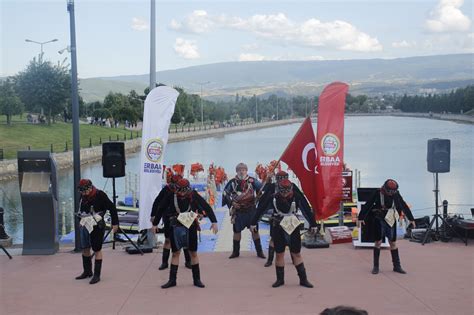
{"x": 113, "y": 166}
{"x": 439, "y": 161}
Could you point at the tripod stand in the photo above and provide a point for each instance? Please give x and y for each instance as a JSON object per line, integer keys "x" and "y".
{"x": 3, "y": 234}
{"x": 6, "y": 252}
{"x": 119, "y": 229}
{"x": 446, "y": 225}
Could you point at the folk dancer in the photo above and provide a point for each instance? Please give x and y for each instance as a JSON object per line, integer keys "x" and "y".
{"x": 382, "y": 212}
{"x": 182, "y": 209}
{"x": 286, "y": 199}
{"x": 240, "y": 197}
{"x": 167, "y": 190}
{"x": 93, "y": 205}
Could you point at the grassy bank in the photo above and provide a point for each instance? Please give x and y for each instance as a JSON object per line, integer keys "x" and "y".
{"x": 21, "y": 136}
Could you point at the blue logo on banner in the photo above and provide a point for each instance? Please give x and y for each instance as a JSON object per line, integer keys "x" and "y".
{"x": 152, "y": 168}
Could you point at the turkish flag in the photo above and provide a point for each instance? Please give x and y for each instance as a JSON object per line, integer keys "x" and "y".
{"x": 330, "y": 149}
{"x": 300, "y": 156}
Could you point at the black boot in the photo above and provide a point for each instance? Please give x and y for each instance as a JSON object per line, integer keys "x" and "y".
{"x": 97, "y": 269}
{"x": 258, "y": 248}
{"x": 271, "y": 254}
{"x": 396, "y": 262}
{"x": 197, "y": 276}
{"x": 187, "y": 258}
{"x": 87, "y": 265}
{"x": 235, "y": 250}
{"x": 172, "y": 281}
{"x": 280, "y": 272}
{"x": 302, "y": 274}
{"x": 164, "y": 259}
{"x": 375, "y": 270}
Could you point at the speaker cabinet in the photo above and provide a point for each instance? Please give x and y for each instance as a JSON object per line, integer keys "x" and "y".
{"x": 439, "y": 155}
{"x": 113, "y": 159}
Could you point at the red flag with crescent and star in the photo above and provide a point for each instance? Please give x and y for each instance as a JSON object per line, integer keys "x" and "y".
{"x": 330, "y": 149}
{"x": 300, "y": 156}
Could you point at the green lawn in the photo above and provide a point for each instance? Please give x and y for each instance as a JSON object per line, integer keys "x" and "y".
{"x": 20, "y": 136}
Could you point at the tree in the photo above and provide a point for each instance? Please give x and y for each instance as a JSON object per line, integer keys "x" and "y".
{"x": 183, "y": 108}
{"x": 116, "y": 100}
{"x": 43, "y": 85}
{"x": 10, "y": 103}
{"x": 137, "y": 102}
{"x": 103, "y": 113}
{"x": 460, "y": 100}
{"x": 124, "y": 113}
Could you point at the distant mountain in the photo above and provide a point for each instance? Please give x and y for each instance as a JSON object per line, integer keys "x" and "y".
{"x": 96, "y": 89}
{"x": 371, "y": 76}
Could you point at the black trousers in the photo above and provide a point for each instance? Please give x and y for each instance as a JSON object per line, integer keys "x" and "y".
{"x": 95, "y": 239}
{"x": 192, "y": 238}
{"x": 281, "y": 239}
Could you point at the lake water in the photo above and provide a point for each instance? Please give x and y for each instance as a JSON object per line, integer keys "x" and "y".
{"x": 380, "y": 147}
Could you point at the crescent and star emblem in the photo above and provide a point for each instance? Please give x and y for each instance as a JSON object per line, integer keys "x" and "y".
{"x": 304, "y": 156}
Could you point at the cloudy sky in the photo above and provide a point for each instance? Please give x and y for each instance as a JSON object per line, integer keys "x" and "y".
{"x": 113, "y": 36}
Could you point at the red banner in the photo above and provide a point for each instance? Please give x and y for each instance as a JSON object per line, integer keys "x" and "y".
{"x": 300, "y": 156}
{"x": 330, "y": 149}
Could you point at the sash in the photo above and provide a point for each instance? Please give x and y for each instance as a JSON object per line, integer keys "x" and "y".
{"x": 392, "y": 214}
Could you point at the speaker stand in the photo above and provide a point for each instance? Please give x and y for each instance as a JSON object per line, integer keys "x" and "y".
{"x": 6, "y": 252}
{"x": 448, "y": 226}
{"x": 119, "y": 229}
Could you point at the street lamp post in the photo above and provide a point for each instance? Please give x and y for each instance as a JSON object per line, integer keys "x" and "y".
{"x": 41, "y": 44}
{"x": 202, "y": 111}
{"x": 75, "y": 121}
{"x": 152, "y": 45}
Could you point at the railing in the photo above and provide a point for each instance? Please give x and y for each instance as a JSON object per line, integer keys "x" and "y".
{"x": 10, "y": 152}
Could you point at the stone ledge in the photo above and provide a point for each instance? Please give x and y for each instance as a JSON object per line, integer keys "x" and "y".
{"x": 6, "y": 242}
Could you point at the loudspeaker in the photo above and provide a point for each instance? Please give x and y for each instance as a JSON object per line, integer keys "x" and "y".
{"x": 113, "y": 159}
{"x": 439, "y": 155}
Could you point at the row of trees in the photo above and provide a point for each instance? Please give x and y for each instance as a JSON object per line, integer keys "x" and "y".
{"x": 46, "y": 88}
{"x": 118, "y": 106}
{"x": 188, "y": 108}
{"x": 458, "y": 101}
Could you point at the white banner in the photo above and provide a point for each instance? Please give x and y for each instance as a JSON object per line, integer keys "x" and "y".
{"x": 159, "y": 107}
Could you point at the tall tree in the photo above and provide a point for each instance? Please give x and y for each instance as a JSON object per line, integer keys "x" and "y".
{"x": 10, "y": 103}
{"x": 43, "y": 85}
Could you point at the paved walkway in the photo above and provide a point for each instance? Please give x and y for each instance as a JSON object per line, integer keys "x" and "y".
{"x": 440, "y": 281}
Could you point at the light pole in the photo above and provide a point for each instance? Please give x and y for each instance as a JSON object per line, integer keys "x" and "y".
{"x": 152, "y": 45}
{"x": 41, "y": 44}
{"x": 202, "y": 111}
{"x": 68, "y": 49}
{"x": 75, "y": 121}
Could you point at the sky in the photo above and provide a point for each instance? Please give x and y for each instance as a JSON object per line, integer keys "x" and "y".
{"x": 113, "y": 36}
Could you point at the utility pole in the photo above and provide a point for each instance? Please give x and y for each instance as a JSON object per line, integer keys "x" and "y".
{"x": 152, "y": 46}
{"x": 75, "y": 123}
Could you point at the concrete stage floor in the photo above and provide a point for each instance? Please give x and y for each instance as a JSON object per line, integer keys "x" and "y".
{"x": 440, "y": 280}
